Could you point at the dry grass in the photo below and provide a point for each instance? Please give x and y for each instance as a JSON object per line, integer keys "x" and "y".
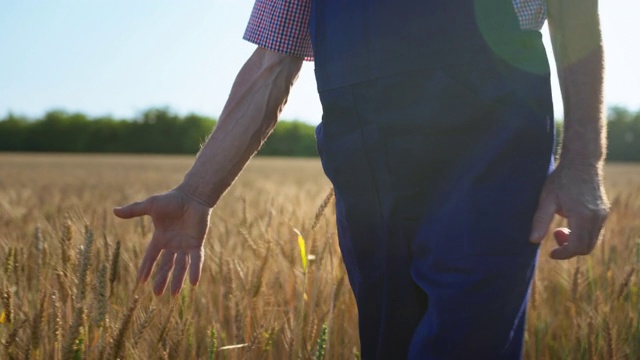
{"x": 68, "y": 269}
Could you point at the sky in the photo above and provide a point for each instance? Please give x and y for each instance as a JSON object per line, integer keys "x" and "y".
{"x": 121, "y": 57}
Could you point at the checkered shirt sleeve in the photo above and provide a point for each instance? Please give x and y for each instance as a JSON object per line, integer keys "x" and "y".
{"x": 281, "y": 26}
{"x": 531, "y": 13}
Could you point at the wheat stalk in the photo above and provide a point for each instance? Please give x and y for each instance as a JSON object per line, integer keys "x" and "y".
{"x": 610, "y": 340}
{"x": 85, "y": 263}
{"x": 113, "y": 273}
{"x": 36, "y": 326}
{"x": 65, "y": 243}
{"x": 249, "y": 241}
{"x": 117, "y": 345}
{"x": 147, "y": 317}
{"x": 38, "y": 244}
{"x": 9, "y": 261}
{"x": 56, "y": 321}
{"x": 213, "y": 343}
{"x": 7, "y": 306}
{"x": 624, "y": 285}
{"x": 100, "y": 301}
{"x": 178, "y": 342}
{"x": 165, "y": 324}
{"x": 255, "y": 335}
{"x": 323, "y": 206}
{"x": 313, "y": 328}
{"x": 257, "y": 284}
{"x": 575, "y": 284}
{"x": 591, "y": 339}
{"x": 12, "y": 336}
{"x": 73, "y": 342}
{"x": 322, "y": 343}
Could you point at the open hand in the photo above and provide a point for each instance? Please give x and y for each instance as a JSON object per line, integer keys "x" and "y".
{"x": 576, "y": 193}
{"x": 181, "y": 225}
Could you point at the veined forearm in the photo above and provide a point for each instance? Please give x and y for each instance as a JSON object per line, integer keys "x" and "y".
{"x": 250, "y": 114}
{"x": 584, "y": 139}
{"x": 577, "y": 43}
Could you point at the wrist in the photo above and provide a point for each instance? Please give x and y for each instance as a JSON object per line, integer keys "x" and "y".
{"x": 193, "y": 192}
{"x": 582, "y": 166}
{"x": 584, "y": 143}
{"x": 578, "y": 161}
{"x": 581, "y": 155}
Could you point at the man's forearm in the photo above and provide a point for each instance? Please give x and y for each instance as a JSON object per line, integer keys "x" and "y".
{"x": 250, "y": 114}
{"x": 577, "y": 43}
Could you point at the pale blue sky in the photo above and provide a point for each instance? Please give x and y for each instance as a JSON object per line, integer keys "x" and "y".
{"x": 121, "y": 57}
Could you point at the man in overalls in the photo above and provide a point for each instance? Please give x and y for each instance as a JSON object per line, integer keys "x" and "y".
{"x": 437, "y": 134}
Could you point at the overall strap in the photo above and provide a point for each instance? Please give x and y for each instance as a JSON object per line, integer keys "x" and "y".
{"x": 359, "y": 40}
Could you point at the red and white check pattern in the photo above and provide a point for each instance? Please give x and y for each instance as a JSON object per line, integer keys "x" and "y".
{"x": 283, "y": 25}
{"x": 531, "y": 13}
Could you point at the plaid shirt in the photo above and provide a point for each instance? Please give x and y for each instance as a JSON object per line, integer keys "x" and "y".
{"x": 283, "y": 25}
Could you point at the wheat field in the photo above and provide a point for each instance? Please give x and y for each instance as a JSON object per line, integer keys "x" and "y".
{"x": 69, "y": 266}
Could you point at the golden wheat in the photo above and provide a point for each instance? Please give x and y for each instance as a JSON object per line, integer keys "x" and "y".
{"x": 65, "y": 295}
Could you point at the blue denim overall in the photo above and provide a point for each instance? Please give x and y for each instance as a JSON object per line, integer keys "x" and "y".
{"x": 437, "y": 134}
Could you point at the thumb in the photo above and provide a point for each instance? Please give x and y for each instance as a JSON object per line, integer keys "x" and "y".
{"x": 542, "y": 219}
{"x": 132, "y": 210}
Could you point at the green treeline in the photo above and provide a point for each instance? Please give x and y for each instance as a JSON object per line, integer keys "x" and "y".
{"x": 156, "y": 131}
{"x": 159, "y": 130}
{"x": 624, "y": 135}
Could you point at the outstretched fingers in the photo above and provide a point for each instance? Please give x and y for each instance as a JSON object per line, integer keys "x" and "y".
{"x": 149, "y": 259}
{"x": 195, "y": 268}
{"x": 161, "y": 277}
{"x": 179, "y": 272}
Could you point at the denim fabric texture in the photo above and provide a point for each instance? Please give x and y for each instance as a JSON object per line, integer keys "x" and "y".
{"x": 437, "y": 175}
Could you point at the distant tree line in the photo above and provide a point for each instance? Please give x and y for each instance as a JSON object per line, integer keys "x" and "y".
{"x": 624, "y": 135}
{"x": 159, "y": 130}
{"x": 156, "y": 130}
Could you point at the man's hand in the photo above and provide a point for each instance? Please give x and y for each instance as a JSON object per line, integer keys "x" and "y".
{"x": 181, "y": 225}
{"x": 181, "y": 216}
{"x": 576, "y": 193}
{"x": 574, "y": 190}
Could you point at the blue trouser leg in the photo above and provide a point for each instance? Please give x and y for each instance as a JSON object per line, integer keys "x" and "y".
{"x": 436, "y": 183}
{"x": 474, "y": 258}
